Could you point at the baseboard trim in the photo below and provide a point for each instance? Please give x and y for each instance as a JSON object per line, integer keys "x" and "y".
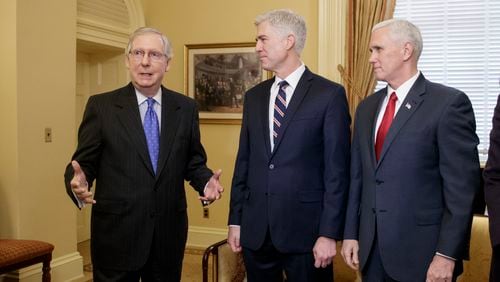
{"x": 64, "y": 268}
{"x": 202, "y": 237}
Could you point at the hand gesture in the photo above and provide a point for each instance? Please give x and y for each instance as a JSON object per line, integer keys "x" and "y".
{"x": 213, "y": 190}
{"x": 79, "y": 184}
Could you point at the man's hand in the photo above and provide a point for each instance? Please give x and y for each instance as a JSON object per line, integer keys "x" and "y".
{"x": 233, "y": 238}
{"x": 324, "y": 250}
{"x": 350, "y": 249}
{"x": 213, "y": 190}
{"x": 79, "y": 184}
{"x": 441, "y": 269}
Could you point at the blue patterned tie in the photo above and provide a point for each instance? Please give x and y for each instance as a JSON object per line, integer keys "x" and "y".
{"x": 279, "y": 109}
{"x": 152, "y": 131}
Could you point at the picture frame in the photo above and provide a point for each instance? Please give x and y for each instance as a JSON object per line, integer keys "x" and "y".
{"x": 217, "y": 77}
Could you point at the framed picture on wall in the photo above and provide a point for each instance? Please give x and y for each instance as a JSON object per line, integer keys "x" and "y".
{"x": 217, "y": 77}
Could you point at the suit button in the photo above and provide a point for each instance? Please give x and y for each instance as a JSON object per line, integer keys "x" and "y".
{"x": 379, "y": 181}
{"x": 271, "y": 166}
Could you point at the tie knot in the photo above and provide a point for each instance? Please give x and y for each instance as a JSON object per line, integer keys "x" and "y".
{"x": 393, "y": 97}
{"x": 151, "y": 102}
{"x": 283, "y": 84}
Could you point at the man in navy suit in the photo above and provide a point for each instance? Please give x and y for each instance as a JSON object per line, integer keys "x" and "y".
{"x": 414, "y": 169}
{"x": 492, "y": 192}
{"x": 139, "y": 217}
{"x": 292, "y": 169}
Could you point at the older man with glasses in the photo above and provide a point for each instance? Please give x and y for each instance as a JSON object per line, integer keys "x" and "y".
{"x": 139, "y": 143}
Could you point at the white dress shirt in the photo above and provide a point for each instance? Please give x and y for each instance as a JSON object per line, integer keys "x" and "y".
{"x": 292, "y": 80}
{"x": 401, "y": 93}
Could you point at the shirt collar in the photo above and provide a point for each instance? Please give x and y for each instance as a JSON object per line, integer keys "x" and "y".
{"x": 141, "y": 98}
{"x": 293, "y": 78}
{"x": 403, "y": 90}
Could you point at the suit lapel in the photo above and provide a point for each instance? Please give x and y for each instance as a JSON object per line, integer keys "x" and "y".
{"x": 408, "y": 108}
{"x": 130, "y": 119}
{"x": 297, "y": 98}
{"x": 263, "y": 103}
{"x": 169, "y": 124}
{"x": 373, "y": 109}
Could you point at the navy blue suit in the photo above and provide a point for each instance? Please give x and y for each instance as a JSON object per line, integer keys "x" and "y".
{"x": 297, "y": 192}
{"x": 417, "y": 200}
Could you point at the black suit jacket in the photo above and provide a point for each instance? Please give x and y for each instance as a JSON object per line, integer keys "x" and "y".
{"x": 298, "y": 190}
{"x": 492, "y": 179}
{"x": 134, "y": 207}
{"x": 418, "y": 197}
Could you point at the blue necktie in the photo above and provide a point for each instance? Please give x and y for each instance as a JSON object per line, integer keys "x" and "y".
{"x": 279, "y": 109}
{"x": 152, "y": 131}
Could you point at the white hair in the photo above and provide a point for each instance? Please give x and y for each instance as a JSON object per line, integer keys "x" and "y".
{"x": 286, "y": 22}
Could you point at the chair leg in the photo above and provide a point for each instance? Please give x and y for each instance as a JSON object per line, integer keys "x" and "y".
{"x": 46, "y": 270}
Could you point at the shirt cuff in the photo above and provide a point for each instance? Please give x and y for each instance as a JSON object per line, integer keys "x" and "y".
{"x": 441, "y": 255}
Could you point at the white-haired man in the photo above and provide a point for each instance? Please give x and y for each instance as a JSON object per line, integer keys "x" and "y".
{"x": 291, "y": 176}
{"x": 414, "y": 169}
{"x": 139, "y": 143}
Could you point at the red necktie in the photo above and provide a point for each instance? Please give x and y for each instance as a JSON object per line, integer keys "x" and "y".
{"x": 385, "y": 124}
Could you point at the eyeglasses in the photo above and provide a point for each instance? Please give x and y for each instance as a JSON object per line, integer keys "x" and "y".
{"x": 138, "y": 54}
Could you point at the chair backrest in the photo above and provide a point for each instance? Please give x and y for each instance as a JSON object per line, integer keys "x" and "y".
{"x": 223, "y": 264}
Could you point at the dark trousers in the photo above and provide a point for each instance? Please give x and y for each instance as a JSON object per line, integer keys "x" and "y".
{"x": 495, "y": 264}
{"x": 374, "y": 269}
{"x": 267, "y": 264}
{"x": 152, "y": 271}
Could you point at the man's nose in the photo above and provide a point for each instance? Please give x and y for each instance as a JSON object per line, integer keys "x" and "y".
{"x": 258, "y": 46}
{"x": 145, "y": 59}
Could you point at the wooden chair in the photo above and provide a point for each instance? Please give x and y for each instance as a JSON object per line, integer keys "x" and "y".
{"x": 16, "y": 254}
{"x": 223, "y": 263}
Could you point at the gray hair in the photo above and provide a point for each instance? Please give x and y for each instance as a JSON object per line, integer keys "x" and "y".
{"x": 286, "y": 22}
{"x": 167, "y": 48}
{"x": 404, "y": 31}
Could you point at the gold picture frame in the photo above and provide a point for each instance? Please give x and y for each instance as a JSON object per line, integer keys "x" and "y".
{"x": 217, "y": 77}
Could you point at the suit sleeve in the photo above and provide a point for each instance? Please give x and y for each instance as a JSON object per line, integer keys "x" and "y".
{"x": 492, "y": 178}
{"x": 197, "y": 172}
{"x": 238, "y": 185}
{"x": 459, "y": 168}
{"x": 88, "y": 150}
{"x": 355, "y": 187}
{"x": 337, "y": 138}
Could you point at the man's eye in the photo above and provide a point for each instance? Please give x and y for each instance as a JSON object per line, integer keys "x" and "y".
{"x": 139, "y": 53}
{"x": 155, "y": 55}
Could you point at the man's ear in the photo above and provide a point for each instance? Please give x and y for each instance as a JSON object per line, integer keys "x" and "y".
{"x": 167, "y": 65}
{"x": 408, "y": 51}
{"x": 290, "y": 41}
{"x": 127, "y": 63}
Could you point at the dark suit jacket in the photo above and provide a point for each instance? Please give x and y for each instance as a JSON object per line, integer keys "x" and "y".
{"x": 133, "y": 205}
{"x": 492, "y": 192}
{"x": 492, "y": 179}
{"x": 298, "y": 191}
{"x": 418, "y": 197}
